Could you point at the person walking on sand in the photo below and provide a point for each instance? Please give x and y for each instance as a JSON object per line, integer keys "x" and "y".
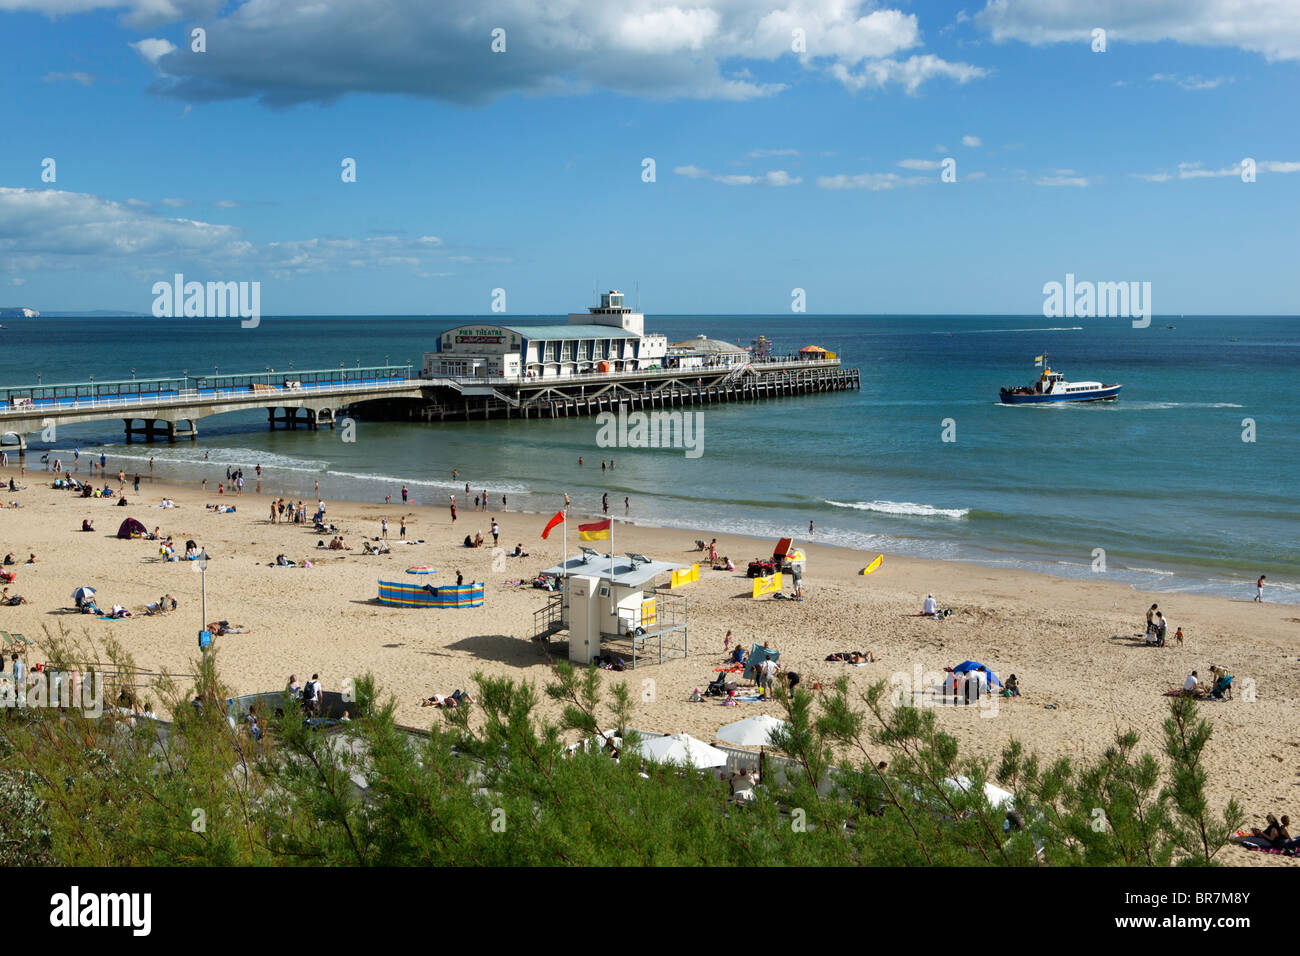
{"x": 402, "y": 532}
{"x": 453, "y": 510}
{"x": 137, "y": 485}
{"x": 496, "y": 533}
{"x": 406, "y": 494}
{"x": 604, "y": 503}
{"x": 1259, "y": 590}
{"x": 383, "y": 529}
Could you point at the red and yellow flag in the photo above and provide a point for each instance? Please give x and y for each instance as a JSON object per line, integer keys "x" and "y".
{"x": 599, "y": 531}
{"x": 550, "y": 525}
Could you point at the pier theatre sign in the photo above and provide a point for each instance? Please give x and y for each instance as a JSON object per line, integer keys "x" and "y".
{"x": 457, "y": 339}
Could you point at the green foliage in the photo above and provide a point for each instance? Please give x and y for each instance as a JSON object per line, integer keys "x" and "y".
{"x": 860, "y": 782}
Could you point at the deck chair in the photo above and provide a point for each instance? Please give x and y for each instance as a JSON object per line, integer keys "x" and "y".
{"x": 9, "y": 641}
{"x": 24, "y": 640}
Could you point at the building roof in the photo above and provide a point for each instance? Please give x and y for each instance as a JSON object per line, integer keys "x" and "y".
{"x": 564, "y": 331}
{"x": 625, "y": 575}
{"x": 705, "y": 344}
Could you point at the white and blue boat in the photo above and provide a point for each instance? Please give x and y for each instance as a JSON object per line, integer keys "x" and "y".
{"x": 1052, "y": 387}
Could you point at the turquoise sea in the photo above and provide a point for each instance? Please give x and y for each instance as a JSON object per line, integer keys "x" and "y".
{"x": 1161, "y": 480}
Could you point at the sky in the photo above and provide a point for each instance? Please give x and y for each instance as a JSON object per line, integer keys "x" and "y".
{"x": 714, "y": 155}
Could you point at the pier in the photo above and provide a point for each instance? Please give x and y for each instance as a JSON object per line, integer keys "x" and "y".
{"x": 170, "y": 408}
{"x": 572, "y": 395}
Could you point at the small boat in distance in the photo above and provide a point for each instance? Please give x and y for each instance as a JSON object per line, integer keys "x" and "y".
{"x": 1052, "y": 387}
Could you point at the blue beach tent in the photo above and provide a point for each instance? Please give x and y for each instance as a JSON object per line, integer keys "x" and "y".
{"x": 967, "y": 666}
{"x": 757, "y": 655}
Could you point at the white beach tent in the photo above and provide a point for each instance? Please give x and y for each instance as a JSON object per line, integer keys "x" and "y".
{"x": 682, "y": 749}
{"x": 997, "y": 797}
{"x": 752, "y": 731}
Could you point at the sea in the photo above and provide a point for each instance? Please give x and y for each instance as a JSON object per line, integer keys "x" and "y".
{"x": 1187, "y": 483}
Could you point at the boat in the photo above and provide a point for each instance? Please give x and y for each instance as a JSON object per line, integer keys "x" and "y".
{"x": 1051, "y": 387}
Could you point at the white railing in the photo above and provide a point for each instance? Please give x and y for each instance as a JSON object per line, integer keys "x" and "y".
{"x": 193, "y": 396}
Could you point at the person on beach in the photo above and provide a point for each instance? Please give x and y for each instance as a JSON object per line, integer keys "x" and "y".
{"x": 1259, "y": 590}
{"x": 496, "y": 533}
{"x": 476, "y": 502}
{"x": 1151, "y": 614}
{"x": 383, "y": 528}
{"x": 503, "y": 503}
{"x": 726, "y": 644}
{"x": 12, "y": 600}
{"x": 810, "y": 529}
{"x": 221, "y": 488}
{"x": 1178, "y": 636}
{"x": 1190, "y": 685}
{"x": 259, "y": 469}
{"x": 604, "y": 503}
{"x": 402, "y": 529}
{"x": 406, "y": 494}
{"x": 294, "y": 689}
{"x": 1162, "y": 629}
{"x": 460, "y": 578}
{"x": 627, "y": 508}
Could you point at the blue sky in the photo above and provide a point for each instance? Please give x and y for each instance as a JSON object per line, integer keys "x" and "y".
{"x": 774, "y": 169}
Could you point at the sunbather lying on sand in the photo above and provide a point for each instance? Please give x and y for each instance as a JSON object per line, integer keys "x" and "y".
{"x": 119, "y": 612}
{"x": 457, "y": 698}
{"x": 853, "y": 657}
{"x": 161, "y": 606}
{"x": 219, "y": 628}
{"x": 12, "y": 600}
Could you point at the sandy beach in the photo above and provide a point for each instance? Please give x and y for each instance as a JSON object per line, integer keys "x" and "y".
{"x": 1075, "y": 646}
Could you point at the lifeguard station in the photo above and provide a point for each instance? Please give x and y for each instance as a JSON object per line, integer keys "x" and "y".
{"x": 611, "y": 604}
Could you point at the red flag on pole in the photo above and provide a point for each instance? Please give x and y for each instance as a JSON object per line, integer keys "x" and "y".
{"x": 550, "y": 525}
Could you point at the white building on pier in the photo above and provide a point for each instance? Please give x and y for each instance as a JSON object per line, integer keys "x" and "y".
{"x": 609, "y": 337}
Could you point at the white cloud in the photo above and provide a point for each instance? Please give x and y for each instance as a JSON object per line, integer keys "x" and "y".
{"x": 226, "y": 204}
{"x": 971, "y": 141}
{"x": 1152, "y": 177}
{"x": 761, "y": 153}
{"x": 910, "y": 73}
{"x": 17, "y": 280}
{"x": 153, "y": 49}
{"x": 1270, "y": 27}
{"x": 45, "y": 229}
{"x": 175, "y": 203}
{"x": 286, "y": 52}
{"x": 872, "y": 181}
{"x": 1191, "y": 82}
{"x": 920, "y": 163}
{"x": 777, "y": 177}
{"x": 138, "y": 13}
{"x": 85, "y": 79}
{"x": 1061, "y": 180}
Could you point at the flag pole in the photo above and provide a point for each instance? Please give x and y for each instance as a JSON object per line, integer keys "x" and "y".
{"x": 613, "y": 612}
{"x": 564, "y": 564}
